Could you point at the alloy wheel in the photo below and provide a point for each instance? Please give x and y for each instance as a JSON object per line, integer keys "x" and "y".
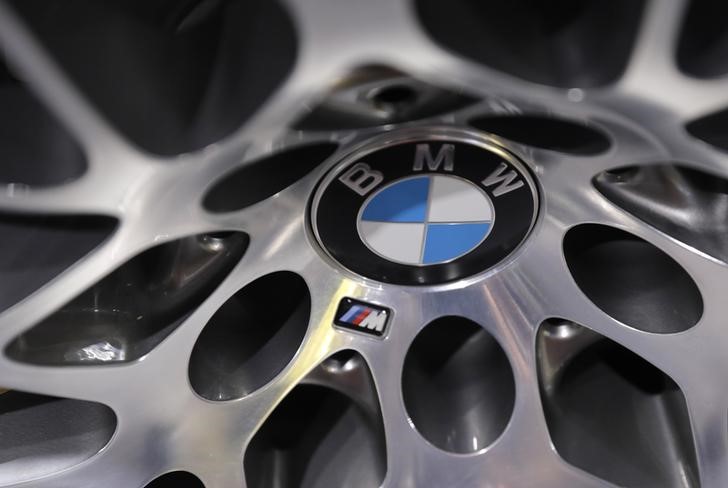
{"x": 172, "y": 312}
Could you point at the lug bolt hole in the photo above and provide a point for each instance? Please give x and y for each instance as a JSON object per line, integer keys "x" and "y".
{"x": 621, "y": 175}
{"x": 393, "y": 98}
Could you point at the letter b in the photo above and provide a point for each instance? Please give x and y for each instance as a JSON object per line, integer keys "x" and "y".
{"x": 361, "y": 178}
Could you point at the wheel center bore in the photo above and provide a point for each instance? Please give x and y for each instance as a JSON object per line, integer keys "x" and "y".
{"x": 419, "y": 208}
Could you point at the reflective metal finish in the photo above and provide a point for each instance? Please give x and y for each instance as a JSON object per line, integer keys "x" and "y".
{"x": 163, "y": 425}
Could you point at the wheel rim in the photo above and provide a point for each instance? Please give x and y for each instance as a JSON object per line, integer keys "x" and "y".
{"x": 224, "y": 347}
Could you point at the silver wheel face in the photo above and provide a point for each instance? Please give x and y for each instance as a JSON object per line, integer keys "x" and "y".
{"x": 171, "y": 315}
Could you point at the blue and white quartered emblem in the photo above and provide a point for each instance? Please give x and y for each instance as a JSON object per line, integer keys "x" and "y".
{"x": 425, "y": 220}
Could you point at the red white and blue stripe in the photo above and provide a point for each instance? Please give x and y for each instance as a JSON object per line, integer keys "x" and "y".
{"x": 357, "y": 314}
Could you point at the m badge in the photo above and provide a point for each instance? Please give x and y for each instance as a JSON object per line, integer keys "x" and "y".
{"x": 362, "y": 317}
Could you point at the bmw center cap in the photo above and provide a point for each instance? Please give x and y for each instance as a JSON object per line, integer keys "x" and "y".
{"x": 425, "y": 208}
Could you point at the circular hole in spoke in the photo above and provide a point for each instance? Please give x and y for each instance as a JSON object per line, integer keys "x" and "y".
{"x": 251, "y": 338}
{"x": 42, "y": 435}
{"x": 545, "y": 132}
{"x": 632, "y": 280}
{"x": 611, "y": 413}
{"x": 458, "y": 385}
{"x": 176, "y": 479}
{"x": 327, "y": 432}
{"x": 133, "y": 309}
{"x": 51, "y": 243}
{"x": 264, "y": 177}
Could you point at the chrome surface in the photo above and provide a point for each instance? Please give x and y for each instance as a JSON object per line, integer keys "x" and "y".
{"x": 163, "y": 425}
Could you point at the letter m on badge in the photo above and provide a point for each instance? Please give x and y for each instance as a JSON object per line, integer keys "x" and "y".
{"x": 362, "y": 317}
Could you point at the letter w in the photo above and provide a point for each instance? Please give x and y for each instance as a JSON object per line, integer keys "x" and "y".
{"x": 505, "y": 181}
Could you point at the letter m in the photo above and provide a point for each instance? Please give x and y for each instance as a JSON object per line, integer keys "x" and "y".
{"x": 375, "y": 321}
{"x": 423, "y": 156}
{"x": 507, "y": 182}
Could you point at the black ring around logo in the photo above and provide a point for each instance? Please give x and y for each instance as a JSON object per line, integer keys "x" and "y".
{"x": 338, "y": 205}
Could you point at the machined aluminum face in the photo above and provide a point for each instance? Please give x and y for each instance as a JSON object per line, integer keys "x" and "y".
{"x": 183, "y": 318}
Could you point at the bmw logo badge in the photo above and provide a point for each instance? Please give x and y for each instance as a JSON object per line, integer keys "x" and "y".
{"x": 424, "y": 207}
